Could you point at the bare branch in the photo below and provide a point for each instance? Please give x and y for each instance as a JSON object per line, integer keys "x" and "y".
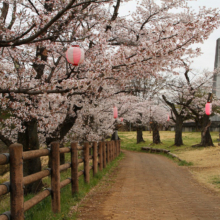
{"x": 4, "y": 11}
{"x": 48, "y": 25}
{"x": 13, "y": 15}
{"x": 33, "y": 6}
{"x": 48, "y": 80}
{"x": 31, "y": 92}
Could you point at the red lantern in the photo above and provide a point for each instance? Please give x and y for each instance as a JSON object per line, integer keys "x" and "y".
{"x": 121, "y": 119}
{"x": 168, "y": 117}
{"x": 115, "y": 112}
{"x": 75, "y": 55}
{"x": 208, "y": 108}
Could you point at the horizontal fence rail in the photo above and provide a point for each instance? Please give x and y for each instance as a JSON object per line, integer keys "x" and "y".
{"x": 99, "y": 154}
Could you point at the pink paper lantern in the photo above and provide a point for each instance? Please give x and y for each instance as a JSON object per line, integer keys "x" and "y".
{"x": 168, "y": 117}
{"x": 75, "y": 55}
{"x": 115, "y": 112}
{"x": 208, "y": 108}
{"x": 121, "y": 119}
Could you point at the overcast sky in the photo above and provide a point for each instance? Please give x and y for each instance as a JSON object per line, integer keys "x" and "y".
{"x": 205, "y": 61}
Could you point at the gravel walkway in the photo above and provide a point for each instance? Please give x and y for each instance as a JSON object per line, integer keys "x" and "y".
{"x": 147, "y": 186}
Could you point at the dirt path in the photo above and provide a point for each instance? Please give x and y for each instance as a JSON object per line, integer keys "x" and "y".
{"x": 148, "y": 186}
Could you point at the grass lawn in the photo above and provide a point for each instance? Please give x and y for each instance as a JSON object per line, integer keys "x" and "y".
{"x": 129, "y": 142}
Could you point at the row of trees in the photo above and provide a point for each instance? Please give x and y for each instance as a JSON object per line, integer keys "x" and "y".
{"x": 47, "y": 99}
{"x": 181, "y": 99}
{"x": 186, "y": 100}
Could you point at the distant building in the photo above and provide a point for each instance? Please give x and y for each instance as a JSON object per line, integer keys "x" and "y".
{"x": 216, "y": 78}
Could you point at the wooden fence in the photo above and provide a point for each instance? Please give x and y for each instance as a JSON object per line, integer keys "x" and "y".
{"x": 102, "y": 153}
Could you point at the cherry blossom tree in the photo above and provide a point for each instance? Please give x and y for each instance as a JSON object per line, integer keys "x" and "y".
{"x": 180, "y": 96}
{"x": 185, "y": 97}
{"x": 145, "y": 89}
{"x": 33, "y": 68}
{"x": 40, "y": 69}
{"x": 46, "y": 97}
{"x": 198, "y": 114}
{"x": 139, "y": 114}
{"x": 159, "y": 116}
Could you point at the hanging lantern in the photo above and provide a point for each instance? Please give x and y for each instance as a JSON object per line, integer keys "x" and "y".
{"x": 115, "y": 112}
{"x": 168, "y": 117}
{"x": 75, "y": 55}
{"x": 121, "y": 119}
{"x": 208, "y": 108}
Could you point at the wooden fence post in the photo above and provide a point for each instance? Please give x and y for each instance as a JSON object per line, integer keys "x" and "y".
{"x": 116, "y": 146}
{"x": 113, "y": 150}
{"x": 55, "y": 176}
{"x": 100, "y": 157}
{"x": 16, "y": 179}
{"x": 104, "y": 153}
{"x": 110, "y": 151}
{"x": 115, "y": 154}
{"x": 119, "y": 147}
{"x": 74, "y": 168}
{"x": 107, "y": 152}
{"x": 86, "y": 162}
{"x": 62, "y": 156}
{"x": 116, "y": 149}
{"x": 95, "y": 158}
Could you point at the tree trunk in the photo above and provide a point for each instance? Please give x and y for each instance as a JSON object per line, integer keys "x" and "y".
{"x": 62, "y": 156}
{"x": 198, "y": 125}
{"x": 29, "y": 140}
{"x": 140, "y": 135}
{"x": 156, "y": 134}
{"x": 61, "y": 131}
{"x": 206, "y": 139}
{"x": 178, "y": 131}
{"x": 63, "y": 128}
{"x": 115, "y": 136}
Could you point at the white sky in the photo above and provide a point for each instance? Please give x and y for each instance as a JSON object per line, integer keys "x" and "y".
{"x": 206, "y": 60}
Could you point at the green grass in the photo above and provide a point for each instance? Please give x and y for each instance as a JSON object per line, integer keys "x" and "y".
{"x": 129, "y": 142}
{"x": 43, "y": 209}
{"x": 216, "y": 181}
{"x": 185, "y": 163}
{"x": 3, "y": 180}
